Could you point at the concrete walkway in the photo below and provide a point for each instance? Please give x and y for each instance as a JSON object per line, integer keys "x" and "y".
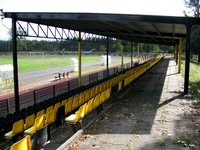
{"x": 151, "y": 114}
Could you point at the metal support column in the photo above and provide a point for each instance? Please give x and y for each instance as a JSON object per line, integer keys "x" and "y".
{"x": 180, "y": 55}
{"x": 122, "y": 56}
{"x": 187, "y": 58}
{"x": 177, "y": 54}
{"x": 79, "y": 59}
{"x": 138, "y": 52}
{"x": 131, "y": 54}
{"x": 15, "y": 64}
{"x": 107, "y": 53}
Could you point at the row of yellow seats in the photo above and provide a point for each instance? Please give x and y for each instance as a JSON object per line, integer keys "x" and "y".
{"x": 77, "y": 100}
{"x": 32, "y": 123}
{"x": 88, "y": 107}
{"x": 140, "y": 70}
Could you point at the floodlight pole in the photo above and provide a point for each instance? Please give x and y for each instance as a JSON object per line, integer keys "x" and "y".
{"x": 180, "y": 55}
{"x": 187, "y": 58}
{"x": 79, "y": 59}
{"x": 15, "y": 64}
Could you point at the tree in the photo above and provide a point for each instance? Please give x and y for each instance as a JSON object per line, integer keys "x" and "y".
{"x": 118, "y": 46}
{"x": 193, "y": 6}
{"x": 102, "y": 48}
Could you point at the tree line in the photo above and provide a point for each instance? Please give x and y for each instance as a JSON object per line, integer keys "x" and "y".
{"x": 71, "y": 45}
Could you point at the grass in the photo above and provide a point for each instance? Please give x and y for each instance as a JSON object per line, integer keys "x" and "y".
{"x": 27, "y": 64}
{"x": 194, "y": 79}
{"x": 184, "y": 140}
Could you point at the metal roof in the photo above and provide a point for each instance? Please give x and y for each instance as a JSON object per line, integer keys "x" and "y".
{"x": 137, "y": 28}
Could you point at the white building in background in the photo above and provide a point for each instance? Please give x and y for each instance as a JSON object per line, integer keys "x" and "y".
{"x": 6, "y": 76}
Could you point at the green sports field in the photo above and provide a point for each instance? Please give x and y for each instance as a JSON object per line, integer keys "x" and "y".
{"x": 27, "y": 63}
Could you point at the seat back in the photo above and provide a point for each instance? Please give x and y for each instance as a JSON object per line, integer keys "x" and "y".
{"x": 81, "y": 98}
{"x": 40, "y": 113}
{"x": 18, "y": 127}
{"x": 39, "y": 122}
{"x": 96, "y": 101}
{"x": 56, "y": 106}
{"x": 75, "y": 101}
{"x": 68, "y": 106}
{"x": 50, "y": 108}
{"x": 89, "y": 106}
{"x": 108, "y": 92}
{"x": 64, "y": 102}
{"x": 81, "y": 112}
{"x": 24, "y": 144}
{"x": 29, "y": 122}
{"x": 50, "y": 117}
{"x": 87, "y": 94}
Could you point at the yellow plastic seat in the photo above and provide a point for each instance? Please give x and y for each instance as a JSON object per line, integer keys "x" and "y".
{"x": 29, "y": 121}
{"x": 68, "y": 106}
{"x": 23, "y": 144}
{"x": 92, "y": 93}
{"x": 50, "y": 108}
{"x": 96, "y": 101}
{"x": 120, "y": 86}
{"x": 40, "y": 113}
{"x": 87, "y": 92}
{"x": 81, "y": 98}
{"x": 74, "y": 118}
{"x": 75, "y": 103}
{"x": 56, "y": 106}
{"x": 64, "y": 102}
{"x": 50, "y": 117}
{"x": 89, "y": 106}
{"x": 108, "y": 92}
{"x": 39, "y": 123}
{"x": 96, "y": 90}
{"x": 18, "y": 127}
{"x": 102, "y": 97}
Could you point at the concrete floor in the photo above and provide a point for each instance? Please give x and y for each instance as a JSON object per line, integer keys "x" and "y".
{"x": 148, "y": 116}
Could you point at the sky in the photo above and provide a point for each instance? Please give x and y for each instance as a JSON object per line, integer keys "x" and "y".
{"x": 145, "y": 7}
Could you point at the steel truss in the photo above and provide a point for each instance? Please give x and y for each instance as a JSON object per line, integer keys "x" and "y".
{"x": 27, "y": 29}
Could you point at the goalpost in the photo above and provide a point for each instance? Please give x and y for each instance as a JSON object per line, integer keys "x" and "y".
{"x": 37, "y": 53}
{"x": 30, "y": 54}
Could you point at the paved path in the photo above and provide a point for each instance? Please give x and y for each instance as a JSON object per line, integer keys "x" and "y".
{"x": 37, "y": 75}
{"x": 153, "y": 114}
{"x": 43, "y": 74}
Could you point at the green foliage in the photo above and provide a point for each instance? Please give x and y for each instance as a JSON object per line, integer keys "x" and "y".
{"x": 194, "y": 6}
{"x": 102, "y": 48}
{"x": 195, "y": 41}
{"x": 194, "y": 9}
{"x": 150, "y": 48}
{"x": 118, "y": 46}
{"x": 146, "y": 48}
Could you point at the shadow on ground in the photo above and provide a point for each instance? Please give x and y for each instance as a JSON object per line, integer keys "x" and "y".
{"x": 135, "y": 111}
